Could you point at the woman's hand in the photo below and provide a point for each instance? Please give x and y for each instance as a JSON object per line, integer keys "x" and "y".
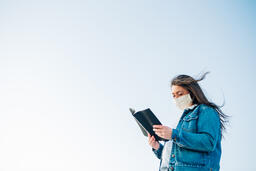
{"x": 163, "y": 131}
{"x": 152, "y": 142}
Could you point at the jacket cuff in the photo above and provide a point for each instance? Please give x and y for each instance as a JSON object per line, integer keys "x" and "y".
{"x": 158, "y": 152}
{"x": 174, "y": 134}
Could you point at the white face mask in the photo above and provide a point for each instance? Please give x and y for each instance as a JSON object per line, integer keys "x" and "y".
{"x": 183, "y": 102}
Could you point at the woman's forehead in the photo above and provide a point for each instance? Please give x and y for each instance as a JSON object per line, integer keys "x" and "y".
{"x": 176, "y": 89}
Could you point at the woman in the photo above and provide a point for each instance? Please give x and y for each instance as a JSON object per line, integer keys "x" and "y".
{"x": 195, "y": 144}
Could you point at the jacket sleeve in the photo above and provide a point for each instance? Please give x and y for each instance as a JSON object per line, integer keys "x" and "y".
{"x": 159, "y": 151}
{"x": 207, "y": 135}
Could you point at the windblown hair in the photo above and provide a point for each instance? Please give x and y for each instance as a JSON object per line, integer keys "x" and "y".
{"x": 197, "y": 95}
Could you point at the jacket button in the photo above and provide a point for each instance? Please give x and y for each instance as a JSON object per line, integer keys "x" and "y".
{"x": 172, "y": 168}
{"x": 173, "y": 155}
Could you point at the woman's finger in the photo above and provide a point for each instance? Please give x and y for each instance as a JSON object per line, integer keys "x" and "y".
{"x": 157, "y": 126}
{"x": 159, "y": 134}
{"x": 159, "y": 131}
{"x": 156, "y": 129}
{"x": 151, "y": 139}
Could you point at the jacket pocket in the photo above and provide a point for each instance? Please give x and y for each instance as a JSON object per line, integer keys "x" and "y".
{"x": 190, "y": 123}
{"x": 191, "y": 157}
{"x": 190, "y": 117}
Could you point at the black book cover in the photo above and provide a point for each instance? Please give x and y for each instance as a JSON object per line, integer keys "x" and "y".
{"x": 146, "y": 119}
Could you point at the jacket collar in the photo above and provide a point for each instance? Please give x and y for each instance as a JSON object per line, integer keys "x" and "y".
{"x": 187, "y": 110}
{"x": 190, "y": 107}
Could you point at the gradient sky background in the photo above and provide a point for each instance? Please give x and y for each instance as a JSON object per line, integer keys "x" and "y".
{"x": 69, "y": 71}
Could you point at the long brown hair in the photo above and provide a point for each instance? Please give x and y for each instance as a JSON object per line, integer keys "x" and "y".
{"x": 197, "y": 95}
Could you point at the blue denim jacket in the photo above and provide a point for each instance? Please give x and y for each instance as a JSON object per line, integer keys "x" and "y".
{"x": 196, "y": 141}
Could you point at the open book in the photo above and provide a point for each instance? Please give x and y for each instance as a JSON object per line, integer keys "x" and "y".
{"x": 146, "y": 119}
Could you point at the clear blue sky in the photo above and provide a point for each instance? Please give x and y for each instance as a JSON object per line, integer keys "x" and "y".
{"x": 69, "y": 71}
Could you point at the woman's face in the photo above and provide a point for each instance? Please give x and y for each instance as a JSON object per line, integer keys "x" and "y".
{"x": 178, "y": 91}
